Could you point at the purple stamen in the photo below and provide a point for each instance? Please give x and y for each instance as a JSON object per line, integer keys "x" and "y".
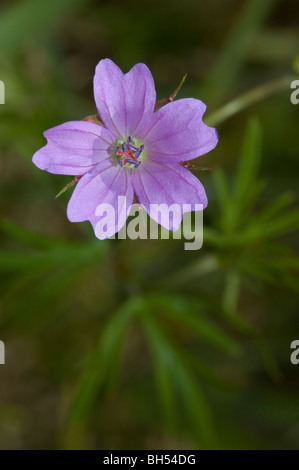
{"x": 129, "y": 153}
{"x": 132, "y": 147}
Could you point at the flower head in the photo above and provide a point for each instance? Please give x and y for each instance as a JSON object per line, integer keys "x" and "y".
{"x": 131, "y": 150}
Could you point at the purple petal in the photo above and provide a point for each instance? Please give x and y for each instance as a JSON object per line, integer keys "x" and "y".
{"x": 158, "y": 183}
{"x": 73, "y": 148}
{"x": 125, "y": 102}
{"x": 102, "y": 185}
{"x": 178, "y": 133}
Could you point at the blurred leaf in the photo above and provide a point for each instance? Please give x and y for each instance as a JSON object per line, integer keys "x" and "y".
{"x": 104, "y": 360}
{"x": 44, "y": 269}
{"x": 179, "y": 378}
{"x": 231, "y": 290}
{"x": 234, "y": 204}
{"x": 23, "y": 20}
{"x": 248, "y": 165}
{"x": 178, "y": 309}
{"x": 236, "y": 47}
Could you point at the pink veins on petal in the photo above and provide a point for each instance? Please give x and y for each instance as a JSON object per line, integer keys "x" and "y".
{"x": 131, "y": 150}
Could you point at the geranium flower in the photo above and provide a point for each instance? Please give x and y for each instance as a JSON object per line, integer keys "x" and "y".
{"x": 130, "y": 150}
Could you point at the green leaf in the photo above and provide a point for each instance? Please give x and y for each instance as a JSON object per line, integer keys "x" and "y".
{"x": 26, "y": 19}
{"x": 222, "y": 191}
{"x": 194, "y": 320}
{"x": 102, "y": 360}
{"x": 247, "y": 172}
{"x": 236, "y": 47}
{"x": 182, "y": 380}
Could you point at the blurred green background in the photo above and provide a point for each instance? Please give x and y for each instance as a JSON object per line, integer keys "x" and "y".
{"x": 123, "y": 344}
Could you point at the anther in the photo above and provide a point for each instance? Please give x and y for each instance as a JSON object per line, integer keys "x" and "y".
{"x": 129, "y": 153}
{"x": 132, "y": 147}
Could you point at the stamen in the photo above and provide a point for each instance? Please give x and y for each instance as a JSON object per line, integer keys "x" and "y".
{"x": 129, "y": 153}
{"x": 132, "y": 147}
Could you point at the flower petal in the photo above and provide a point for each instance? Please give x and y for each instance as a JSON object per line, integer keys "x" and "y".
{"x": 102, "y": 186}
{"x": 125, "y": 102}
{"x": 73, "y": 148}
{"x": 178, "y": 133}
{"x": 158, "y": 183}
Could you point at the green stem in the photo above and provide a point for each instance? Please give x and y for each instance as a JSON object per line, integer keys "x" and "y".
{"x": 231, "y": 292}
{"x": 250, "y": 16}
{"x": 69, "y": 185}
{"x": 172, "y": 97}
{"x": 247, "y": 99}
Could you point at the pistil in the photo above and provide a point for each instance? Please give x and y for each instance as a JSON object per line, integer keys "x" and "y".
{"x": 129, "y": 153}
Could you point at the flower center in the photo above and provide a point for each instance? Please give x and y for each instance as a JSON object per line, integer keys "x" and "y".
{"x": 129, "y": 153}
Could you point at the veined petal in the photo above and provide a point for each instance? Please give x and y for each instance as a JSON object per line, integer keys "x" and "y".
{"x": 159, "y": 183}
{"x": 178, "y": 134}
{"x": 73, "y": 148}
{"x": 125, "y": 102}
{"x": 102, "y": 185}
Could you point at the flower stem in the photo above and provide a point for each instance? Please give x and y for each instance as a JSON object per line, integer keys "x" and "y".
{"x": 165, "y": 101}
{"x": 247, "y": 99}
{"x": 172, "y": 97}
{"x": 69, "y": 185}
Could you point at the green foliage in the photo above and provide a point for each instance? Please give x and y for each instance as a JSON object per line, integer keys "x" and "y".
{"x": 249, "y": 236}
{"x": 235, "y": 49}
{"x": 20, "y": 20}
{"x": 140, "y": 344}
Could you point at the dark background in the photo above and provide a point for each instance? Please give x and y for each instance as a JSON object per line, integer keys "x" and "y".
{"x": 140, "y": 344}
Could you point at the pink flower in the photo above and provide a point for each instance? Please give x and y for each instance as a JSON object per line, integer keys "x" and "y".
{"x": 135, "y": 152}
